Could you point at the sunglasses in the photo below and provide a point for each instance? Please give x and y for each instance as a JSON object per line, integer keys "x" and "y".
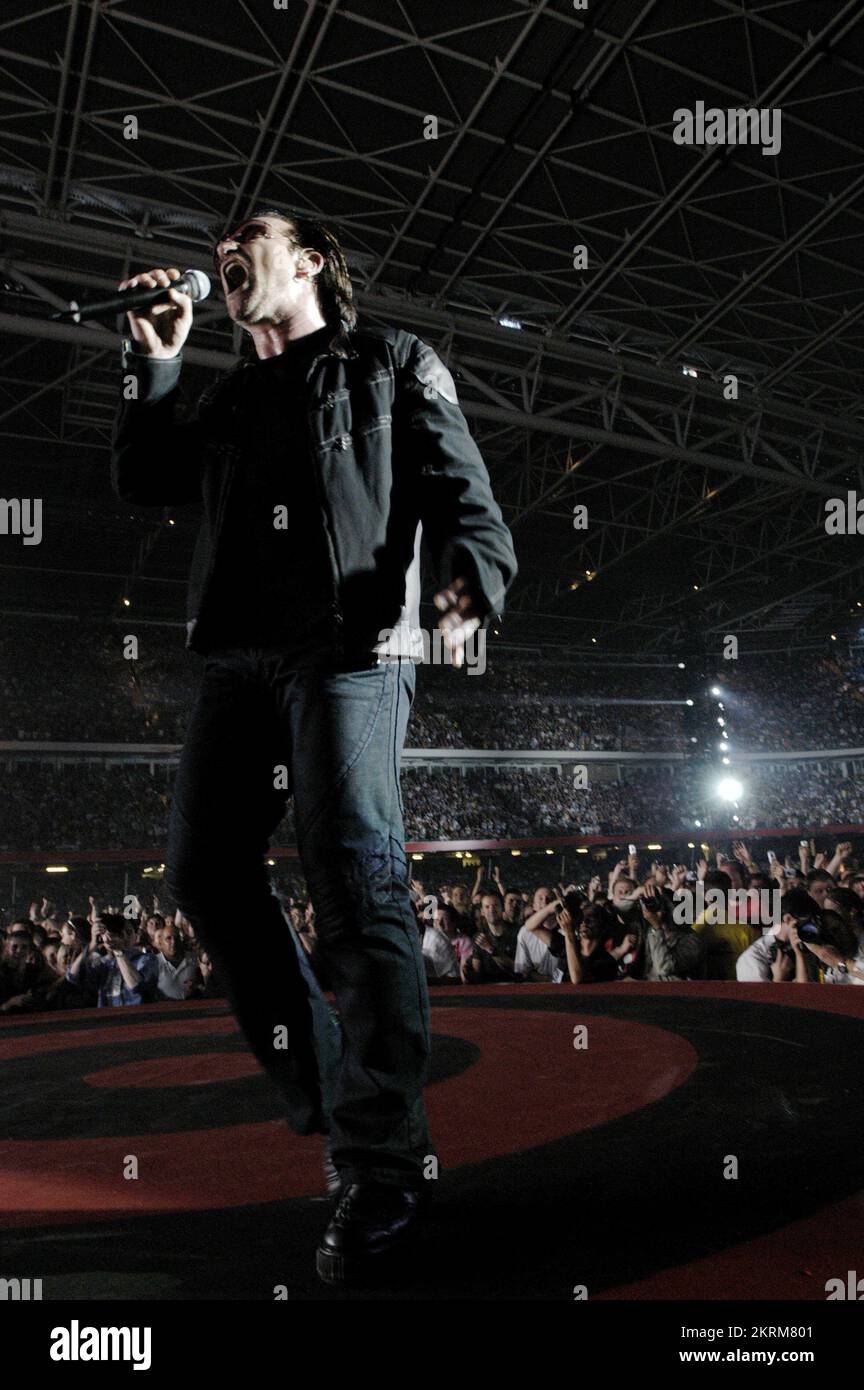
{"x": 250, "y": 231}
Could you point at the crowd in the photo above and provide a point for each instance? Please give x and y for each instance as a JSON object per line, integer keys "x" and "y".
{"x": 76, "y": 806}
{"x": 146, "y": 687}
{"x": 733, "y": 918}
{"x": 772, "y": 921}
{"x": 62, "y": 682}
{"x": 496, "y": 803}
{"x": 772, "y": 711}
{"x": 61, "y": 959}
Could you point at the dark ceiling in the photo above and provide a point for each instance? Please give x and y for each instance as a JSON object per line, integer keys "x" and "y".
{"x": 555, "y": 129}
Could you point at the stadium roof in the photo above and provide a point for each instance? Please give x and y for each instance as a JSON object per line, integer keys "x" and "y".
{"x": 600, "y": 386}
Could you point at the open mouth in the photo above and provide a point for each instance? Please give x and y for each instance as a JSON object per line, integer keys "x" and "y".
{"x": 234, "y": 275}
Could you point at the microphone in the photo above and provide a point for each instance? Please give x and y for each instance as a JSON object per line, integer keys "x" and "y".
{"x": 192, "y": 282}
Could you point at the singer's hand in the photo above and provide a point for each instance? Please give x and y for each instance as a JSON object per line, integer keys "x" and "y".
{"x": 459, "y": 607}
{"x": 162, "y": 329}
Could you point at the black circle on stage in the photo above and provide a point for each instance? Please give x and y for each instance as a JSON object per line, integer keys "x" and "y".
{"x": 45, "y": 1095}
{"x": 775, "y": 1085}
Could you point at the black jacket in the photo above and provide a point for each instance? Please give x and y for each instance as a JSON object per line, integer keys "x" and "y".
{"x": 391, "y": 454}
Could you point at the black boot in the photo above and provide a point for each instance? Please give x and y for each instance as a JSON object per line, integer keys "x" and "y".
{"x": 373, "y": 1224}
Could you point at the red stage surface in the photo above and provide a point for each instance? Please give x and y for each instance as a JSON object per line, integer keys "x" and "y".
{"x": 603, "y": 1164}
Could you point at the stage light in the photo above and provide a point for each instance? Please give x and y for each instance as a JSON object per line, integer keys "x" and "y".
{"x": 550, "y": 851}
{"x": 594, "y": 640}
{"x": 697, "y": 824}
{"x": 653, "y": 846}
{"x": 127, "y": 603}
{"x": 416, "y": 856}
{"x": 694, "y": 739}
{"x": 690, "y": 844}
{"x": 735, "y": 818}
{"x": 682, "y": 665}
{"x": 725, "y": 761}
{"x": 582, "y": 850}
{"x": 510, "y": 323}
{"x": 515, "y": 853}
{"x": 689, "y": 702}
{"x": 730, "y": 789}
{"x": 715, "y": 690}
{"x": 56, "y": 869}
{"x": 720, "y": 720}
{"x": 271, "y": 862}
{"x": 720, "y": 705}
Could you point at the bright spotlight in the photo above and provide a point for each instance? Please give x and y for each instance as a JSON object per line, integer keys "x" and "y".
{"x": 729, "y": 789}
{"x": 720, "y": 720}
{"x": 715, "y": 690}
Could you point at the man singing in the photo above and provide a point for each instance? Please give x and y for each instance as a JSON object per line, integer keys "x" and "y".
{"x": 318, "y": 459}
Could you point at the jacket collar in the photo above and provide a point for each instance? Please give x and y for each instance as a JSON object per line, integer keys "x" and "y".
{"x": 339, "y": 345}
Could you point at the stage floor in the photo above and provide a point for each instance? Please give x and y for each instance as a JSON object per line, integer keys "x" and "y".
{"x": 595, "y": 1158}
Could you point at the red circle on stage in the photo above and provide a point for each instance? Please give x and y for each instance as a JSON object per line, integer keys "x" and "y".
{"x": 202, "y": 1069}
{"x": 530, "y": 1086}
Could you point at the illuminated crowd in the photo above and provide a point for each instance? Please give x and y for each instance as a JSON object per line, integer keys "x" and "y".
{"x": 736, "y": 917}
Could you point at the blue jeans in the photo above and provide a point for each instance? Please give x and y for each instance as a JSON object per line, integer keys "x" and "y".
{"x": 338, "y": 736}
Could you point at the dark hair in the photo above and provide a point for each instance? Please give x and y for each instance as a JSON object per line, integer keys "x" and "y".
{"x": 333, "y": 282}
{"x": 574, "y": 903}
{"x": 454, "y": 918}
{"x": 492, "y": 893}
{"x": 846, "y": 901}
{"x": 593, "y": 920}
{"x": 717, "y": 878}
{"x": 839, "y": 933}
{"x": 819, "y": 876}
{"x": 798, "y": 903}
